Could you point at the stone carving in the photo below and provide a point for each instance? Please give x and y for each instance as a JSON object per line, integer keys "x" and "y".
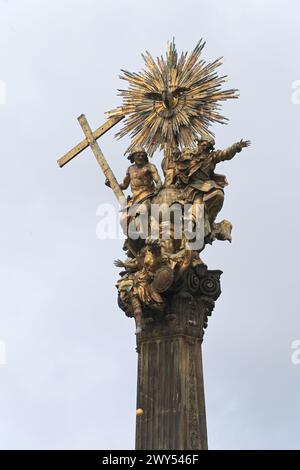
{"x": 164, "y": 283}
{"x": 170, "y": 106}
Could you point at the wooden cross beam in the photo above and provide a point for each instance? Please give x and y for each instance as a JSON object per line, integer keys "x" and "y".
{"x": 90, "y": 141}
{"x": 84, "y": 143}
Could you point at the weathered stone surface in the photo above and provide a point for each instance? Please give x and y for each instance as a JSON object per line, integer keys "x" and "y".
{"x": 170, "y": 387}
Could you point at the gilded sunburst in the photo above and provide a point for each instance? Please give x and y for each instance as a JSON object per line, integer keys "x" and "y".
{"x": 173, "y": 100}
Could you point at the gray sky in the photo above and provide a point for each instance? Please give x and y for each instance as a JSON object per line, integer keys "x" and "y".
{"x": 70, "y": 377}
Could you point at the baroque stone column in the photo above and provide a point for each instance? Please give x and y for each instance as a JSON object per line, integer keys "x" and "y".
{"x": 170, "y": 388}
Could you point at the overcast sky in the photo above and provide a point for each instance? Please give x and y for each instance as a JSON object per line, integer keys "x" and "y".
{"x": 69, "y": 377}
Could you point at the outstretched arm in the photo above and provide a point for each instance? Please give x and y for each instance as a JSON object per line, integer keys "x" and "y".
{"x": 128, "y": 264}
{"x": 230, "y": 152}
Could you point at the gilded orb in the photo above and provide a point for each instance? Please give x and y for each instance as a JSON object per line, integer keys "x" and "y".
{"x": 139, "y": 412}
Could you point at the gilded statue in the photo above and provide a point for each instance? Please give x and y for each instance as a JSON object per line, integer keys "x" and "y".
{"x": 167, "y": 110}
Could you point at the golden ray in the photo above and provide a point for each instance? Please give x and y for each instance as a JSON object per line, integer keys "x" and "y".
{"x": 172, "y": 101}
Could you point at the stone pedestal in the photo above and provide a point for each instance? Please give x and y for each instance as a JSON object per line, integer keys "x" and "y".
{"x": 170, "y": 388}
